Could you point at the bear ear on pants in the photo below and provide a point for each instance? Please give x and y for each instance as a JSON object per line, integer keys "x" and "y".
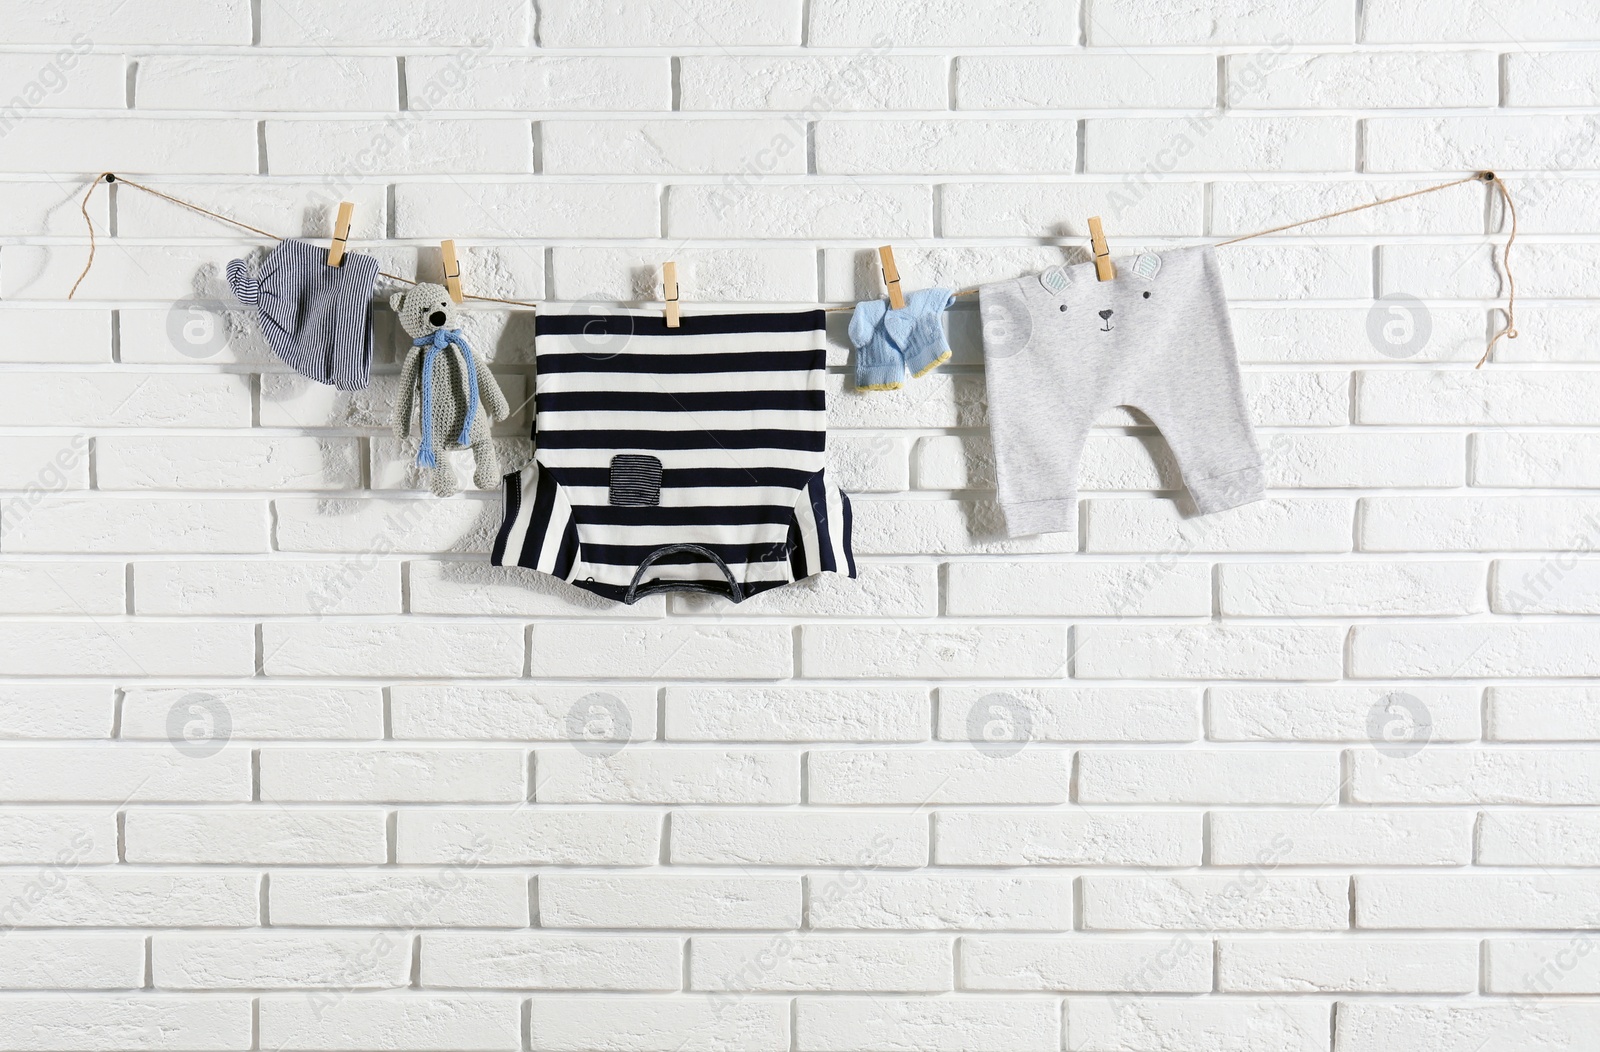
{"x": 396, "y": 300}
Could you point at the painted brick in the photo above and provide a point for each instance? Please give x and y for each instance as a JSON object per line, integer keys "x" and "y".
{"x": 1218, "y": 144}
{"x": 971, "y": 146}
{"x": 407, "y": 145}
{"x": 1350, "y": 588}
{"x": 258, "y": 711}
{"x": 127, "y": 648}
{"x": 528, "y": 837}
{"x": 1381, "y": 712}
{"x": 44, "y": 835}
{"x": 1466, "y": 651}
{"x": 476, "y": 1022}
{"x": 1084, "y": 838}
{"x": 853, "y": 714}
{"x": 1488, "y": 776}
{"x": 1556, "y": 584}
{"x": 471, "y": 81}
{"x": 672, "y": 147}
{"x": 975, "y": 1024}
{"x": 865, "y": 80}
{"x": 662, "y": 652}
{"x": 1256, "y": 1027}
{"x": 939, "y": 902}
{"x": 571, "y": 23}
{"x": 545, "y": 712}
{"x": 528, "y": 209}
{"x": 262, "y": 82}
{"x": 933, "y": 652}
{"x": 549, "y": 960}
{"x": 277, "y": 587}
{"x": 1557, "y": 965}
{"x": 1277, "y": 524}
{"x": 110, "y": 1021}
{"x": 416, "y": 648}
{"x": 696, "y": 902}
{"x": 1305, "y": 334}
{"x": 50, "y": 710}
{"x": 63, "y": 588}
{"x": 1120, "y": 23}
{"x": 1169, "y": 776}
{"x": 131, "y": 144}
{"x": 77, "y": 960}
{"x": 838, "y": 23}
{"x": 1335, "y": 838}
{"x": 1041, "y": 589}
{"x": 180, "y": 23}
{"x": 789, "y": 838}
{"x": 1534, "y": 713}
{"x": 133, "y": 463}
{"x": 1082, "y": 964}
{"x": 1208, "y": 651}
{"x": 1343, "y": 965}
{"x": 1450, "y": 901}
{"x": 826, "y": 210}
{"x": 188, "y": 960}
{"x": 124, "y": 898}
{"x": 1083, "y": 81}
{"x": 885, "y": 963}
{"x": 1053, "y": 209}
{"x": 1530, "y": 459}
{"x": 235, "y": 837}
{"x": 1388, "y": 21}
{"x": 456, "y": 896}
{"x": 1069, "y": 714}
{"x": 1552, "y": 78}
{"x": 1427, "y": 144}
{"x": 1216, "y": 903}
{"x": 1370, "y": 1026}
{"x": 675, "y": 775}
{"x": 1538, "y": 838}
{"x": 393, "y": 775}
{"x": 1376, "y": 80}
{"x": 942, "y": 776}
{"x": 633, "y": 1023}
{"x": 1454, "y": 524}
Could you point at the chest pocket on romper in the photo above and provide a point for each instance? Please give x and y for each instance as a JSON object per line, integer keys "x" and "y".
{"x": 635, "y": 481}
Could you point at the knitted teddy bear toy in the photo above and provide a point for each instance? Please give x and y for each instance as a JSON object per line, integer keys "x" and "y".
{"x": 450, "y": 384}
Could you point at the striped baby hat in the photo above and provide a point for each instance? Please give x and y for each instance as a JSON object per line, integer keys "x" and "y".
{"x": 317, "y": 318}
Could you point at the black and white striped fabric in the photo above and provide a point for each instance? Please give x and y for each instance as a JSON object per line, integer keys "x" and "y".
{"x": 678, "y": 459}
{"x": 316, "y": 318}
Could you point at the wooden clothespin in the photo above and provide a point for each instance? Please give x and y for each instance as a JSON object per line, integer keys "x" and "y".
{"x": 669, "y": 284}
{"x": 452, "y": 269}
{"x": 1104, "y": 269}
{"x": 341, "y": 234}
{"x": 891, "y": 277}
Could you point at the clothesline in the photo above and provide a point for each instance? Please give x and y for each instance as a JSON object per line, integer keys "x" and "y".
{"x": 1509, "y": 330}
{"x": 112, "y": 177}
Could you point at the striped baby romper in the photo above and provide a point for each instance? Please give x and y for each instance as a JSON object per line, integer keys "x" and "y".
{"x": 687, "y": 459}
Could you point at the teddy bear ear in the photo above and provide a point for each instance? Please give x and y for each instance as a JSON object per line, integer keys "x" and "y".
{"x": 396, "y": 300}
{"x": 1147, "y": 266}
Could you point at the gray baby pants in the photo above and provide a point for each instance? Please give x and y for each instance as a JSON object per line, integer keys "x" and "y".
{"x": 1061, "y": 348}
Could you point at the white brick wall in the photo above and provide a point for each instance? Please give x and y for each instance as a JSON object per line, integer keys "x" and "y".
{"x": 284, "y": 765}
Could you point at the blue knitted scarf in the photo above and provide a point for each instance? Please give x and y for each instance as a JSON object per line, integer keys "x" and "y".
{"x": 439, "y": 341}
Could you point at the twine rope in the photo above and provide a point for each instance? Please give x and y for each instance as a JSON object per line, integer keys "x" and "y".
{"x": 112, "y": 177}
{"x": 1508, "y": 331}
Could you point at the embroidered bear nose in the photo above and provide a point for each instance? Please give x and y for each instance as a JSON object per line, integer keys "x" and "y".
{"x": 1105, "y": 315}
{"x": 436, "y": 318}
